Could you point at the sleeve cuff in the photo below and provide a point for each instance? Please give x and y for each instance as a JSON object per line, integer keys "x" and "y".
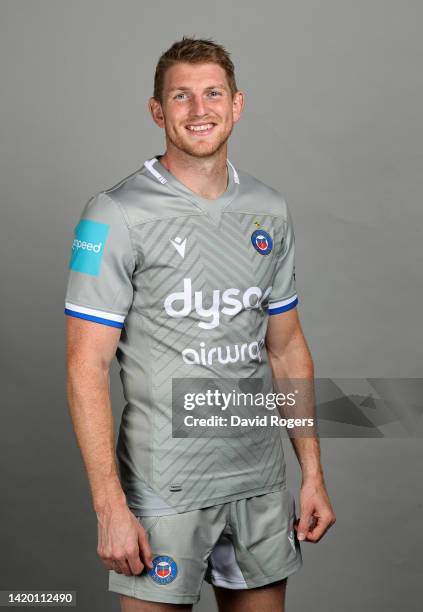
{"x": 97, "y": 316}
{"x": 283, "y": 305}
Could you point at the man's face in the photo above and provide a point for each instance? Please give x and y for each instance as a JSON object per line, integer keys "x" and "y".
{"x": 198, "y": 111}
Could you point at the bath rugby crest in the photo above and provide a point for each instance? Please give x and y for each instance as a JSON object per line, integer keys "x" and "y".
{"x": 262, "y": 241}
{"x": 164, "y": 570}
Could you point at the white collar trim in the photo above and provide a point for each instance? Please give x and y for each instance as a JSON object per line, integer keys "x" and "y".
{"x": 150, "y": 163}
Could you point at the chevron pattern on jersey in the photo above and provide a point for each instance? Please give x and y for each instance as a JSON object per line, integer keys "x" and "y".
{"x": 212, "y": 262}
{"x": 185, "y": 275}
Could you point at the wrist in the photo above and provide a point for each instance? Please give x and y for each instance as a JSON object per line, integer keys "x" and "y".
{"x": 109, "y": 498}
{"x": 314, "y": 475}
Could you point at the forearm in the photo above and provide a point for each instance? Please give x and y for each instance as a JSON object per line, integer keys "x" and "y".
{"x": 296, "y": 363}
{"x": 90, "y": 408}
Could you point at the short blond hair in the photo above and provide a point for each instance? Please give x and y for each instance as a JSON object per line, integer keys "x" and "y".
{"x": 193, "y": 51}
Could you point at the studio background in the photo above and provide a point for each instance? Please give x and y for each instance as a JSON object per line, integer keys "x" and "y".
{"x": 332, "y": 120}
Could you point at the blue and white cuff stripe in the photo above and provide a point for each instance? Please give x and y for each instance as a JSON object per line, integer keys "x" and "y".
{"x": 283, "y": 305}
{"x": 97, "y": 316}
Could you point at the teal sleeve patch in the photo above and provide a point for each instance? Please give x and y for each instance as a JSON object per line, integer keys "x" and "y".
{"x": 88, "y": 247}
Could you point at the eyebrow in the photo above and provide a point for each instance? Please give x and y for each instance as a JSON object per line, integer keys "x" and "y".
{"x": 183, "y": 88}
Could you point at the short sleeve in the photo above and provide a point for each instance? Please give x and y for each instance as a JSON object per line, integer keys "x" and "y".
{"x": 283, "y": 296}
{"x": 101, "y": 265}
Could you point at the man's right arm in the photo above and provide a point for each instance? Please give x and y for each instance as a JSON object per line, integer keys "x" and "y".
{"x": 122, "y": 543}
{"x": 90, "y": 350}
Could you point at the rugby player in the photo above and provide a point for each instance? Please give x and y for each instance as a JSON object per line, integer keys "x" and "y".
{"x": 185, "y": 270}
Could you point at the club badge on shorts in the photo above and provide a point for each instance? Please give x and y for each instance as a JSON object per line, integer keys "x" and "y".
{"x": 164, "y": 570}
{"x": 261, "y": 241}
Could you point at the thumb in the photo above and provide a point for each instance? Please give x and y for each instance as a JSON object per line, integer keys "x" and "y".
{"x": 304, "y": 524}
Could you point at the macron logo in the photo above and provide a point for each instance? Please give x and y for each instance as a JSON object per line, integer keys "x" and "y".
{"x": 179, "y": 245}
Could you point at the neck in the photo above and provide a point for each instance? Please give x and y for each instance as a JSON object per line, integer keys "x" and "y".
{"x": 206, "y": 176}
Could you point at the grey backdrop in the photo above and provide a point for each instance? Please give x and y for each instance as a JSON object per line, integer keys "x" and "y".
{"x": 333, "y": 120}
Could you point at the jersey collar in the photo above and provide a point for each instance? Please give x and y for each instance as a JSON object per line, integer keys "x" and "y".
{"x": 213, "y": 208}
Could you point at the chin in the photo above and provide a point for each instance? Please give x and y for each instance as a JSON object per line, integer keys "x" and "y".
{"x": 203, "y": 149}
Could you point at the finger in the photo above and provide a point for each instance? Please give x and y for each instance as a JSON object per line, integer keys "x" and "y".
{"x": 304, "y": 524}
{"x": 108, "y": 565}
{"x": 112, "y": 565}
{"x": 312, "y": 522}
{"x": 135, "y": 562}
{"x": 145, "y": 549}
{"x": 123, "y": 567}
{"x": 319, "y": 529}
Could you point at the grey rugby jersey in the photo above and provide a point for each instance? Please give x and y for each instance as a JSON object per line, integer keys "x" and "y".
{"x": 191, "y": 282}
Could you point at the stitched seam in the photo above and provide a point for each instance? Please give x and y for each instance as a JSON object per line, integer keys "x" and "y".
{"x": 167, "y": 217}
{"x": 254, "y": 214}
{"x": 122, "y": 211}
{"x": 96, "y": 308}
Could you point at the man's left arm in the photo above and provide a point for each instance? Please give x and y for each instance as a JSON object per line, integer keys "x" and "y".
{"x": 290, "y": 358}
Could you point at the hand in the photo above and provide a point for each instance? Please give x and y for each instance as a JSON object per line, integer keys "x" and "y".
{"x": 316, "y": 514}
{"x": 122, "y": 542}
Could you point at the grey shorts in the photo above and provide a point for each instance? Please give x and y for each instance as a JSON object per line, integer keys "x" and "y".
{"x": 241, "y": 544}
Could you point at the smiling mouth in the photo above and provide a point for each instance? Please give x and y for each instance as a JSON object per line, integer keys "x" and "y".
{"x": 201, "y": 129}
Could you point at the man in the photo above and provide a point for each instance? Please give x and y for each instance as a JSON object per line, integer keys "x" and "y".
{"x": 185, "y": 269}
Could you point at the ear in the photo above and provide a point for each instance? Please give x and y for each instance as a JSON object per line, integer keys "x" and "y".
{"x": 238, "y": 104}
{"x": 156, "y": 111}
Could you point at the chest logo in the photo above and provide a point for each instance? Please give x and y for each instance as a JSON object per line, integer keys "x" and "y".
{"x": 261, "y": 241}
{"x": 179, "y": 245}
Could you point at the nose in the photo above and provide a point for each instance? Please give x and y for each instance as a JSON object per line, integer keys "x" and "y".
{"x": 198, "y": 106}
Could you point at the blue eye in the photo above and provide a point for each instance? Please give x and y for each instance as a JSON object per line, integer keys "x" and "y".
{"x": 215, "y": 92}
